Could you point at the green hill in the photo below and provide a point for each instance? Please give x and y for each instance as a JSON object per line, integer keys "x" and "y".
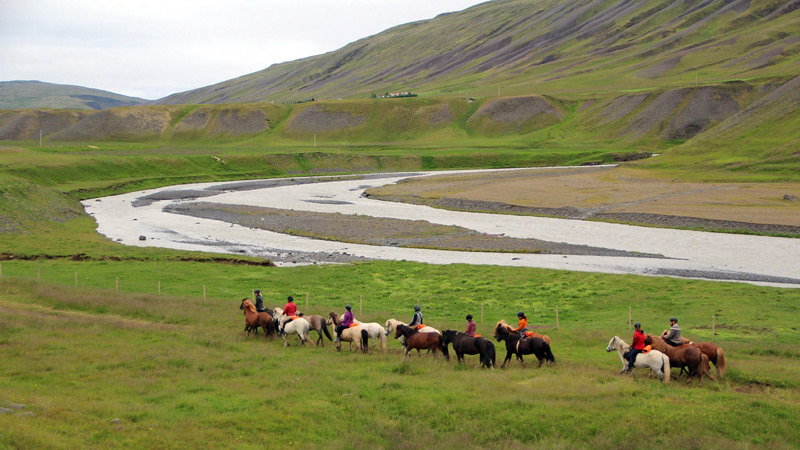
{"x": 552, "y": 47}
{"x": 36, "y": 94}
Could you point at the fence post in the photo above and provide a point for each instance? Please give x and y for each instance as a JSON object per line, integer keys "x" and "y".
{"x": 1, "y": 271}
{"x": 481, "y": 313}
{"x": 204, "y": 292}
{"x": 253, "y": 295}
{"x": 76, "y": 280}
{"x": 306, "y": 300}
{"x": 159, "y": 288}
{"x": 556, "y": 316}
{"x": 361, "y": 304}
{"x": 630, "y": 317}
{"x": 116, "y": 284}
{"x": 713, "y": 327}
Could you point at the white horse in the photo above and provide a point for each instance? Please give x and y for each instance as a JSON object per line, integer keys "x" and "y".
{"x": 654, "y": 359}
{"x": 374, "y": 329}
{"x": 286, "y": 326}
{"x": 391, "y": 327}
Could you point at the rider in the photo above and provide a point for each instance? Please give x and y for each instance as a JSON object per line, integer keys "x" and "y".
{"x": 347, "y": 319}
{"x": 673, "y": 335}
{"x": 417, "y": 319}
{"x": 636, "y": 347}
{"x": 290, "y": 309}
{"x": 259, "y": 301}
{"x": 522, "y": 328}
{"x": 470, "y": 326}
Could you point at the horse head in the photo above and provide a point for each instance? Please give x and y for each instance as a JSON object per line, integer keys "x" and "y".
{"x": 448, "y": 336}
{"x": 613, "y": 344}
{"x": 333, "y": 317}
{"x": 246, "y": 303}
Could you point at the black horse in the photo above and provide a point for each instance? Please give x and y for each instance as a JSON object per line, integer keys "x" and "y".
{"x": 468, "y": 345}
{"x": 518, "y": 346}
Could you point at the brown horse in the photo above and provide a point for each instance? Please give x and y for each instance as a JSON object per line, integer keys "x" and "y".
{"x": 254, "y": 319}
{"x": 417, "y": 340}
{"x": 533, "y": 335}
{"x": 715, "y": 354}
{"x": 689, "y": 358}
{"x": 518, "y": 346}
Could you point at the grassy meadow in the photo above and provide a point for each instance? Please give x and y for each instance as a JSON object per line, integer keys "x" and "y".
{"x": 177, "y": 371}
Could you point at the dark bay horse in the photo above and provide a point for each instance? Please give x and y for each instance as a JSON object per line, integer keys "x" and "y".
{"x": 517, "y": 346}
{"x": 418, "y": 340}
{"x": 468, "y": 345}
{"x": 687, "y": 358}
{"x": 253, "y": 319}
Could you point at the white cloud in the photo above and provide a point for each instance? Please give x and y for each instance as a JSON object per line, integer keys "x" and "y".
{"x": 155, "y": 48}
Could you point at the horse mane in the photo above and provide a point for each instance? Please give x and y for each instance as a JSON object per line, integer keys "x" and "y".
{"x": 249, "y": 305}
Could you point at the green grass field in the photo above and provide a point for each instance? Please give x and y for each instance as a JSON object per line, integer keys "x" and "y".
{"x": 178, "y": 372}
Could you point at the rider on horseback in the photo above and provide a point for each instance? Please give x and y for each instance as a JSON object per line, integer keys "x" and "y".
{"x": 673, "y": 335}
{"x": 522, "y": 328}
{"x": 636, "y": 347}
{"x": 470, "y": 326}
{"x": 417, "y": 319}
{"x": 290, "y": 309}
{"x": 259, "y": 301}
{"x": 347, "y": 319}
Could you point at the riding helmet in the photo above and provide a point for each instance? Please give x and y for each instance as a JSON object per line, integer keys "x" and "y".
{"x": 469, "y": 316}
{"x": 637, "y": 325}
{"x": 347, "y": 307}
{"x": 674, "y": 319}
{"x": 291, "y": 299}
{"x": 416, "y": 307}
{"x": 520, "y": 314}
{"x": 257, "y": 291}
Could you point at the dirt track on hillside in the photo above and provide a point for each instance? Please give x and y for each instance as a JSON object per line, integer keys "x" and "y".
{"x": 612, "y": 195}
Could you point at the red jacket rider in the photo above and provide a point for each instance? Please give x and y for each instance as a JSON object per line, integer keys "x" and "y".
{"x": 290, "y": 309}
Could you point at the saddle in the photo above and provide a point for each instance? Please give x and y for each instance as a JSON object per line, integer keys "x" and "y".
{"x": 421, "y": 326}
{"x": 647, "y": 348}
{"x": 352, "y": 325}
{"x": 294, "y": 317}
{"x": 529, "y": 334}
{"x": 477, "y": 335}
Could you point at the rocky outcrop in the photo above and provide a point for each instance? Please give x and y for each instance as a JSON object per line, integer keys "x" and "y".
{"x": 515, "y": 115}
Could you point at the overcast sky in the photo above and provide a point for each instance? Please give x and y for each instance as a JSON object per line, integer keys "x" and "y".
{"x": 151, "y": 49}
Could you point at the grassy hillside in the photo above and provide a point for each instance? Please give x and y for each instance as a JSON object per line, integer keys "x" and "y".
{"x": 36, "y": 94}
{"x": 552, "y": 47}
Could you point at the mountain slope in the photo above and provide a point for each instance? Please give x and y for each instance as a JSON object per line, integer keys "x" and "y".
{"x": 36, "y": 94}
{"x": 542, "y": 46}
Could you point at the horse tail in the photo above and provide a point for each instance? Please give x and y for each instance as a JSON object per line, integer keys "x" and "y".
{"x": 720, "y": 362}
{"x": 364, "y": 341}
{"x": 443, "y": 347}
{"x": 325, "y": 329}
{"x": 382, "y": 340}
{"x": 548, "y": 354}
{"x": 490, "y": 354}
{"x": 665, "y": 367}
{"x": 705, "y": 368}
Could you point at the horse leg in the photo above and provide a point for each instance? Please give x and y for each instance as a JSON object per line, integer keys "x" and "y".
{"x": 508, "y": 358}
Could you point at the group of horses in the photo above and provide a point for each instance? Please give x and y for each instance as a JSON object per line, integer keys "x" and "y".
{"x": 691, "y": 357}
{"x": 411, "y": 338}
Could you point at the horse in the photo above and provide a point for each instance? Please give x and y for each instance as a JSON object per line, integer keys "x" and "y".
{"x": 692, "y": 359}
{"x": 715, "y": 354}
{"x": 373, "y": 329}
{"x": 254, "y": 319}
{"x": 468, "y": 345}
{"x": 530, "y": 334}
{"x": 286, "y": 325}
{"x": 518, "y": 346}
{"x": 416, "y": 339}
{"x": 356, "y": 334}
{"x": 391, "y": 328}
{"x": 316, "y": 323}
{"x": 654, "y": 359}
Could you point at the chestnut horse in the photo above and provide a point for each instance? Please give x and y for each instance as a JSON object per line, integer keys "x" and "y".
{"x": 692, "y": 359}
{"x": 715, "y": 354}
{"x": 464, "y": 344}
{"x": 518, "y": 346}
{"x": 418, "y": 340}
{"x": 254, "y": 319}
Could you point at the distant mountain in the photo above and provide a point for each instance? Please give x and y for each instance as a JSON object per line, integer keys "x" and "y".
{"x": 36, "y": 94}
{"x": 551, "y": 47}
